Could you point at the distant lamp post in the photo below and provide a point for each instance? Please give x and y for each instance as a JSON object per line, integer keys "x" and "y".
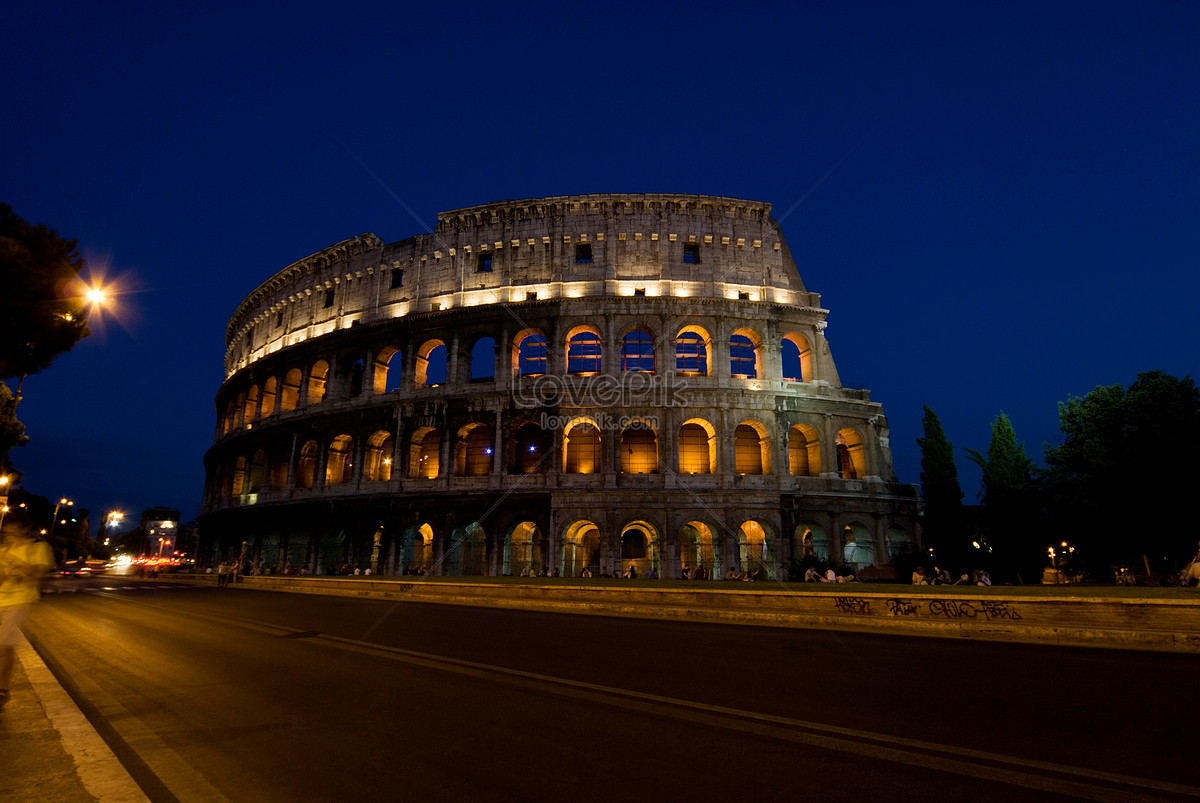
{"x": 64, "y": 502}
{"x": 3, "y": 497}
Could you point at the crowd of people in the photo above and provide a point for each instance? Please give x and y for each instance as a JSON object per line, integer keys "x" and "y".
{"x": 941, "y": 577}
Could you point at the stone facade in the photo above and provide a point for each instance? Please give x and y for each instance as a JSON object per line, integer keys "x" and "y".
{"x": 558, "y": 383}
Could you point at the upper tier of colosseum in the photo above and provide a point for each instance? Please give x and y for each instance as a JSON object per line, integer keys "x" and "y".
{"x": 687, "y": 246}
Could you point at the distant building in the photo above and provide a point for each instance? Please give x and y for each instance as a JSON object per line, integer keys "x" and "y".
{"x": 161, "y": 528}
{"x": 558, "y": 383}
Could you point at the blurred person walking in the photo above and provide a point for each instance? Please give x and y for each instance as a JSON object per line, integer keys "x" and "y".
{"x": 23, "y": 561}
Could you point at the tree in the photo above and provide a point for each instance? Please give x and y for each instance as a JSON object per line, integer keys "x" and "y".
{"x": 943, "y": 523}
{"x": 1122, "y": 481}
{"x": 1011, "y": 502}
{"x": 12, "y": 431}
{"x": 42, "y": 307}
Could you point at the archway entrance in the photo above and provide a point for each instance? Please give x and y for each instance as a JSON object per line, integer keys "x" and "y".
{"x": 698, "y": 556}
{"x": 581, "y": 549}
{"x": 524, "y": 549}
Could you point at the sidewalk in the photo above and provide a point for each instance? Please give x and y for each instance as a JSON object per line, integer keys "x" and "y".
{"x": 48, "y": 750}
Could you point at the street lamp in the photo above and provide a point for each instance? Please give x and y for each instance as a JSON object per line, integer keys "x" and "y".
{"x": 61, "y": 502}
{"x": 3, "y": 497}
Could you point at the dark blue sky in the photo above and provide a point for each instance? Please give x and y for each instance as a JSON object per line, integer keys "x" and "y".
{"x": 999, "y": 202}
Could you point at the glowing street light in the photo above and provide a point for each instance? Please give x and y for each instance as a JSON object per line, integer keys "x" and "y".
{"x": 61, "y": 503}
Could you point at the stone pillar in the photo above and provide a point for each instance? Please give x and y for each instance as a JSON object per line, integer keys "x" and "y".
{"x": 829, "y": 461}
{"x": 498, "y": 441}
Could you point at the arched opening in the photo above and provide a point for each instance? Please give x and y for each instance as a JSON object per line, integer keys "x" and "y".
{"x": 258, "y": 469}
{"x": 239, "y": 406}
{"x": 804, "y": 451}
{"x": 228, "y": 419}
{"x": 524, "y": 550}
{"x": 239, "y": 477}
{"x": 251, "y": 408}
{"x": 528, "y": 449}
{"x": 745, "y": 354}
{"x": 483, "y": 360}
{"x": 751, "y": 448}
{"x": 693, "y": 352}
{"x": 581, "y": 549}
{"x": 809, "y": 540}
{"x": 858, "y": 552}
{"x": 316, "y": 382}
{"x": 356, "y": 379}
{"x": 581, "y": 447}
{"x": 270, "y": 391}
{"x": 698, "y": 556}
{"x": 697, "y": 447}
{"x": 339, "y": 463}
{"x": 584, "y": 351}
{"x": 639, "y": 449}
{"x": 291, "y": 390}
{"x": 378, "y": 457}
{"x": 425, "y": 454}
{"x": 466, "y": 555}
{"x": 473, "y": 451}
{"x": 387, "y": 370}
{"x": 754, "y": 550}
{"x": 639, "y": 549}
{"x": 897, "y": 542}
{"x": 637, "y": 351}
{"x": 851, "y": 454}
{"x": 529, "y": 353}
{"x": 417, "y": 549}
{"x": 306, "y": 466}
{"x": 796, "y": 356}
{"x": 431, "y": 364}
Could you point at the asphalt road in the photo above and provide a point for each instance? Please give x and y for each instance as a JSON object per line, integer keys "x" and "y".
{"x": 229, "y": 694}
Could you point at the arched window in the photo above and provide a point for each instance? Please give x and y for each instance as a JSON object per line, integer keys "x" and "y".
{"x": 633, "y": 544}
{"x": 692, "y": 352}
{"x": 639, "y": 449}
{"x": 751, "y": 449}
{"x": 581, "y": 443}
{"x": 425, "y": 454}
{"x": 239, "y": 407}
{"x": 339, "y": 465}
{"x": 387, "y": 370}
{"x": 743, "y": 363}
{"x": 697, "y": 447}
{"x": 851, "y": 454}
{"x": 267, "y": 407}
{"x": 804, "y": 451}
{"x": 637, "y": 352}
{"x": 251, "y": 405}
{"x": 431, "y": 364}
{"x": 306, "y": 468}
{"x": 258, "y": 467}
{"x": 473, "y": 452}
{"x": 584, "y": 353}
{"x": 483, "y": 360}
{"x": 239, "y": 477}
{"x": 316, "y": 382}
{"x": 378, "y": 457}
{"x": 796, "y": 356}
{"x": 529, "y": 353}
{"x": 291, "y": 390}
{"x": 356, "y": 379}
{"x": 227, "y": 424}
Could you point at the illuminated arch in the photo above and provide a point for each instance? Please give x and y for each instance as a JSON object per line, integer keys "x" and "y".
{"x": 752, "y": 448}
{"x": 237, "y": 411}
{"x": 796, "y": 355}
{"x": 804, "y": 451}
{"x": 851, "y": 454}
{"x": 639, "y": 449}
{"x": 270, "y": 392}
{"x": 581, "y": 447}
{"x": 416, "y": 547}
{"x": 639, "y": 548}
{"x": 290, "y": 398}
{"x": 306, "y": 466}
{"x": 746, "y": 354}
{"x": 524, "y": 549}
{"x": 637, "y": 351}
{"x": 473, "y": 450}
{"x": 339, "y": 463}
{"x": 378, "y": 457}
{"x": 528, "y": 449}
{"x": 697, "y": 447}
{"x": 580, "y": 549}
{"x": 251, "y": 408}
{"x": 424, "y": 453}
{"x": 228, "y": 419}
{"x": 317, "y": 378}
{"x": 584, "y": 351}
{"x": 386, "y": 374}
{"x": 858, "y": 551}
{"x": 698, "y": 553}
{"x": 756, "y": 549}
{"x": 693, "y": 351}
{"x": 529, "y": 353}
{"x": 431, "y": 365}
{"x": 239, "y": 478}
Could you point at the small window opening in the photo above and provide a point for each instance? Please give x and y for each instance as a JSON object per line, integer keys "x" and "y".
{"x": 485, "y": 263}
{"x": 583, "y": 253}
{"x": 691, "y": 253}
{"x": 397, "y": 279}
{"x": 328, "y": 298}
{"x": 531, "y": 295}
{"x": 639, "y": 291}
{"x": 744, "y": 296}
{"x": 278, "y": 320}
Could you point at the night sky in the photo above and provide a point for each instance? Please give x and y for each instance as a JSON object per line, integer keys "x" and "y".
{"x": 999, "y": 202}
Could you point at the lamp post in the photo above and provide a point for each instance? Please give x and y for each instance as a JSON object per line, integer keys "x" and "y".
{"x": 61, "y": 502}
{"x": 3, "y": 497}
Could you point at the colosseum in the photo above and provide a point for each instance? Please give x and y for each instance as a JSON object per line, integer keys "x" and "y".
{"x": 567, "y": 385}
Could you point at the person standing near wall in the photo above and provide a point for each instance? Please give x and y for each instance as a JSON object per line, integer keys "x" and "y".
{"x": 23, "y": 561}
